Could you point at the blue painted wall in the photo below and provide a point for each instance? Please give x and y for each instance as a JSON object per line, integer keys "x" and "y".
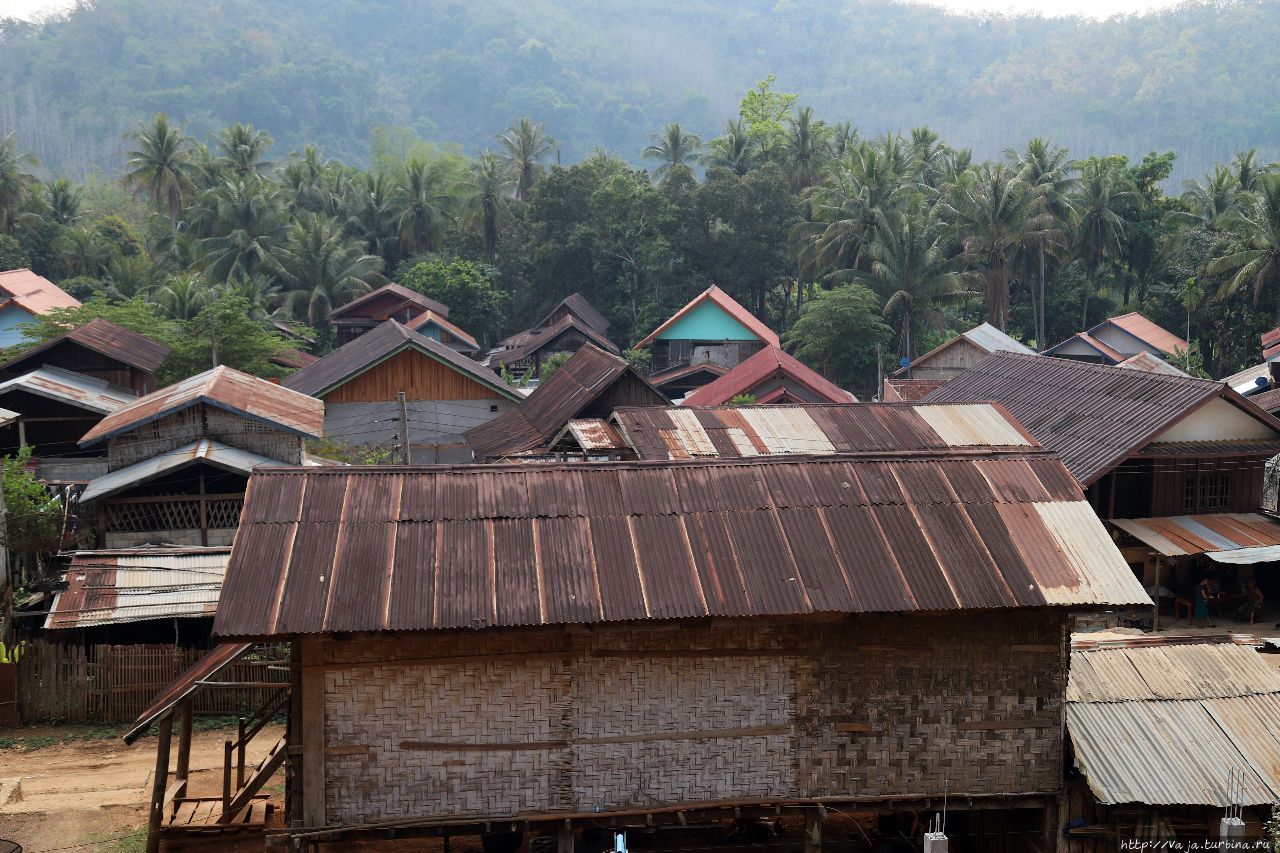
{"x": 10, "y": 317}
{"x": 707, "y": 322}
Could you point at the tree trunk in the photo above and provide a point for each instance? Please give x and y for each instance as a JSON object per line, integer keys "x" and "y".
{"x": 1040, "y": 320}
{"x": 997, "y": 293}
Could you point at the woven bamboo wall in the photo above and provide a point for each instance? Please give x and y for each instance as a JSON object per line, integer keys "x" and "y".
{"x": 500, "y": 723}
{"x": 149, "y": 440}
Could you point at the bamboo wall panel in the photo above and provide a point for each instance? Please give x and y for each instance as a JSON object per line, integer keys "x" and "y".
{"x": 505, "y": 722}
{"x": 418, "y": 376}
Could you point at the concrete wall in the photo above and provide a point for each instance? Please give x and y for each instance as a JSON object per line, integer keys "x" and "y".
{"x": 430, "y": 422}
{"x": 499, "y": 722}
{"x": 1217, "y": 420}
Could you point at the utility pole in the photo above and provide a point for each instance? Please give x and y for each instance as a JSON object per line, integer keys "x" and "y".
{"x": 403, "y": 427}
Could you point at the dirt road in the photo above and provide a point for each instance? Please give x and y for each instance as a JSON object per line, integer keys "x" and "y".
{"x": 82, "y": 796}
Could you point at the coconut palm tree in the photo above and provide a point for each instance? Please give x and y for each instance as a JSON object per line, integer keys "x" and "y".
{"x": 1209, "y": 199}
{"x": 322, "y": 268}
{"x": 423, "y": 202}
{"x": 241, "y": 149}
{"x": 63, "y": 200}
{"x": 160, "y": 166}
{"x": 372, "y": 213}
{"x": 733, "y": 150}
{"x": 261, "y": 293}
{"x": 1100, "y": 228}
{"x": 1246, "y": 170}
{"x": 845, "y": 207}
{"x": 1046, "y": 170}
{"x": 525, "y": 144}
{"x": 182, "y": 295}
{"x": 927, "y": 152}
{"x": 485, "y": 204}
{"x": 911, "y": 268}
{"x": 844, "y": 136}
{"x": 245, "y": 220}
{"x": 992, "y": 212}
{"x": 805, "y": 150}
{"x": 1255, "y": 259}
{"x": 674, "y": 150}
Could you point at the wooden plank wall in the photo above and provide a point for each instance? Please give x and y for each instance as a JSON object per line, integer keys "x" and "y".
{"x": 419, "y": 376}
{"x": 101, "y": 683}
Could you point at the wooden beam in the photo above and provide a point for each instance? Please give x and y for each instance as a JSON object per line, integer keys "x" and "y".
{"x": 813, "y": 830}
{"x": 181, "y": 772}
{"x": 313, "y": 781}
{"x": 158, "y": 784}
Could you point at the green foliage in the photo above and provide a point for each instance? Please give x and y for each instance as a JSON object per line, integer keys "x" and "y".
{"x": 553, "y": 363}
{"x": 640, "y": 359}
{"x": 32, "y": 519}
{"x": 12, "y": 255}
{"x": 764, "y": 113}
{"x": 331, "y": 448}
{"x": 743, "y": 400}
{"x": 469, "y": 288}
{"x": 227, "y": 328}
{"x": 136, "y": 314}
{"x": 838, "y": 333}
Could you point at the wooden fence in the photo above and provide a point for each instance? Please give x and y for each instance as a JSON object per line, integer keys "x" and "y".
{"x": 102, "y": 683}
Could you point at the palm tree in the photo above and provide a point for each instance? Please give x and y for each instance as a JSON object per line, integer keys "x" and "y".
{"x": 63, "y": 199}
{"x": 1255, "y": 259}
{"x": 15, "y": 180}
{"x": 372, "y": 213}
{"x": 485, "y": 204}
{"x": 1246, "y": 170}
{"x": 846, "y": 204}
{"x": 910, "y": 268}
{"x": 160, "y": 165}
{"x": 423, "y": 201}
{"x": 182, "y": 295}
{"x": 245, "y": 221}
{"x": 260, "y": 292}
{"x": 993, "y": 214}
{"x": 928, "y": 153}
{"x": 1210, "y": 199}
{"x": 241, "y": 149}
{"x": 83, "y": 252}
{"x": 1046, "y": 170}
{"x": 1099, "y": 226}
{"x": 734, "y": 150}
{"x": 674, "y": 149}
{"x": 525, "y": 144}
{"x": 322, "y": 268}
{"x": 806, "y": 149}
{"x": 843, "y": 137}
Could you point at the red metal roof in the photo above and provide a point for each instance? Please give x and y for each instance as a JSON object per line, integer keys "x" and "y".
{"x": 33, "y": 293}
{"x": 590, "y": 375}
{"x": 769, "y": 363}
{"x": 727, "y": 304}
{"x": 406, "y": 297}
{"x": 1107, "y": 352}
{"x": 1093, "y": 415}
{"x": 416, "y": 549}
{"x": 105, "y": 338}
{"x": 224, "y": 388}
{"x": 1147, "y": 332}
{"x": 1271, "y": 342}
{"x": 908, "y": 390}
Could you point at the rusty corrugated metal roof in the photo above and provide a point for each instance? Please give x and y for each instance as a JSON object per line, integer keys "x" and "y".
{"x": 218, "y": 659}
{"x": 738, "y": 431}
{"x": 75, "y": 389}
{"x": 1151, "y": 363}
{"x": 410, "y": 549}
{"x": 224, "y": 388}
{"x": 105, "y": 338}
{"x": 431, "y": 318}
{"x": 593, "y": 435}
{"x": 1181, "y": 535}
{"x": 404, "y": 294}
{"x": 133, "y": 585}
{"x": 770, "y": 363}
{"x": 908, "y": 390}
{"x": 1146, "y": 331}
{"x": 1169, "y": 724}
{"x": 535, "y": 339}
{"x": 591, "y": 374}
{"x": 219, "y": 455}
{"x": 1093, "y": 415}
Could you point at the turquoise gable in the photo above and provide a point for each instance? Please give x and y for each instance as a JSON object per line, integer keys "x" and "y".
{"x": 707, "y": 322}
{"x": 10, "y": 318}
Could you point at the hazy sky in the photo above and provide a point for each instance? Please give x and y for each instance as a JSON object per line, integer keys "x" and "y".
{"x": 1090, "y": 8}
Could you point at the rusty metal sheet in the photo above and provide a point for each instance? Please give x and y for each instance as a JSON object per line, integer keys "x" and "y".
{"x": 413, "y": 577}
{"x": 773, "y": 580}
{"x": 615, "y": 554}
{"x": 305, "y": 605}
{"x": 74, "y": 389}
{"x": 875, "y": 578}
{"x": 713, "y": 553}
{"x": 515, "y": 573}
{"x": 214, "y": 661}
{"x": 568, "y": 584}
{"x": 930, "y": 589}
{"x": 826, "y": 575}
{"x": 360, "y": 576}
{"x": 1009, "y": 561}
{"x": 464, "y": 597}
{"x": 769, "y": 365}
{"x": 975, "y": 578}
{"x": 671, "y": 586}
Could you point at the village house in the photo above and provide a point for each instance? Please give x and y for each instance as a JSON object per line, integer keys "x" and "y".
{"x": 429, "y": 324}
{"x": 522, "y": 648}
{"x": 1176, "y": 464}
{"x": 389, "y": 302}
{"x": 1168, "y": 738}
{"x": 572, "y": 323}
{"x": 702, "y": 341}
{"x": 1117, "y": 338}
{"x": 178, "y": 459}
{"x": 444, "y": 394}
{"x": 25, "y": 296}
{"x": 99, "y": 349}
{"x": 591, "y": 384}
{"x": 949, "y": 360}
{"x": 1261, "y": 382}
{"x": 771, "y": 376}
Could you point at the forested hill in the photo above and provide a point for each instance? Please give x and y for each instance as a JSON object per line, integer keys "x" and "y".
{"x": 609, "y": 73}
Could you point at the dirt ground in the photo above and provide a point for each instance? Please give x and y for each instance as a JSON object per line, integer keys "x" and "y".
{"x": 91, "y": 795}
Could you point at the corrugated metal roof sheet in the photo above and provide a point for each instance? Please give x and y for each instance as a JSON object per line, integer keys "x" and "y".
{"x": 406, "y": 296}
{"x": 220, "y": 455}
{"x": 105, "y": 338}
{"x": 1094, "y": 416}
{"x": 594, "y": 435}
{"x": 33, "y": 293}
{"x": 727, "y": 304}
{"x": 1246, "y": 381}
{"x": 223, "y": 388}
{"x": 114, "y": 587}
{"x": 431, "y": 318}
{"x": 1268, "y": 401}
{"x": 769, "y": 363}
{"x": 589, "y": 375}
{"x": 536, "y": 339}
{"x": 992, "y": 339}
{"x": 740, "y": 431}
{"x": 374, "y": 347}
{"x": 1180, "y": 535}
{"x": 1146, "y": 331}
{"x": 1151, "y": 363}
{"x": 218, "y": 659}
{"x": 75, "y": 389}
{"x": 1169, "y": 724}
{"x": 410, "y": 549}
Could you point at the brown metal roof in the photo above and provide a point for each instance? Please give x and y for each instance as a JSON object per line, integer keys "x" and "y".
{"x": 770, "y": 363}
{"x": 536, "y": 339}
{"x": 424, "y": 548}
{"x": 582, "y": 380}
{"x": 105, "y": 338}
{"x": 374, "y": 347}
{"x": 577, "y": 304}
{"x": 406, "y": 296}
{"x": 1146, "y": 331}
{"x": 218, "y": 659}
{"x": 224, "y": 388}
{"x": 1093, "y": 415}
{"x": 731, "y": 432}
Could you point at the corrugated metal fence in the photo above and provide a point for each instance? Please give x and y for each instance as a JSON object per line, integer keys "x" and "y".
{"x": 104, "y": 683}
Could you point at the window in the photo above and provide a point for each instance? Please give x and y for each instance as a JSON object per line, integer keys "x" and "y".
{"x": 1207, "y": 493}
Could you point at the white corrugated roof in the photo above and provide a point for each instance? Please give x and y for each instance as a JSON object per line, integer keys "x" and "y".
{"x": 230, "y": 458}
{"x": 75, "y": 389}
{"x": 992, "y": 339}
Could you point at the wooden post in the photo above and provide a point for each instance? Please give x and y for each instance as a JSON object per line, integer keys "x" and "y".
{"x": 22, "y": 432}
{"x": 204, "y": 512}
{"x": 240, "y": 755}
{"x": 182, "y": 770}
{"x": 226, "y": 776}
{"x": 403, "y": 426}
{"x": 313, "y": 781}
{"x": 813, "y": 830}
{"x": 564, "y": 838}
{"x": 293, "y": 736}
{"x": 1155, "y": 620}
{"x": 158, "y": 784}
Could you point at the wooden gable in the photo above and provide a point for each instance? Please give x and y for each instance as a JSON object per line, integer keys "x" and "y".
{"x": 420, "y": 376}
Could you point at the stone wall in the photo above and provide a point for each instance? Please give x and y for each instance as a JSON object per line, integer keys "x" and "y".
{"x": 596, "y": 719}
